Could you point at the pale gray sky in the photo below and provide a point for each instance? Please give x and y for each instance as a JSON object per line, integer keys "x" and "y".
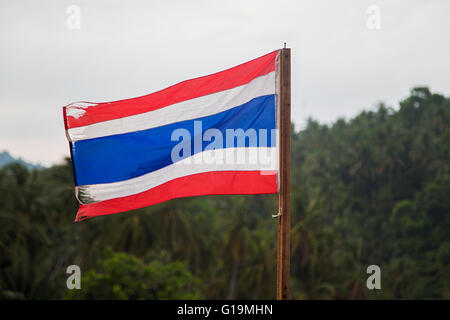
{"x": 131, "y": 48}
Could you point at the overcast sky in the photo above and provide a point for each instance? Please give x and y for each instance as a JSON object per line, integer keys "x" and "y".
{"x": 125, "y": 49}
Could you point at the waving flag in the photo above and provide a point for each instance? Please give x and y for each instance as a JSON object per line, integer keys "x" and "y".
{"x": 210, "y": 135}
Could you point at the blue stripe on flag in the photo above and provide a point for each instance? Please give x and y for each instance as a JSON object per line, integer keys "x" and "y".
{"x": 125, "y": 156}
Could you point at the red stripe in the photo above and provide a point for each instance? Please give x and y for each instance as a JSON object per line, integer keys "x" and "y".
{"x": 182, "y": 91}
{"x": 209, "y": 183}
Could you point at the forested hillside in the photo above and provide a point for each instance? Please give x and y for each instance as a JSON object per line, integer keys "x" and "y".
{"x": 371, "y": 190}
{"x": 6, "y": 158}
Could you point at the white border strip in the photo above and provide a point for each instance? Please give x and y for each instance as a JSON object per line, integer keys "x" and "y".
{"x": 227, "y": 159}
{"x": 185, "y": 110}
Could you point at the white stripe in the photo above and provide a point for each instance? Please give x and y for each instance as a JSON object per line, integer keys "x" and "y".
{"x": 227, "y": 159}
{"x": 185, "y": 110}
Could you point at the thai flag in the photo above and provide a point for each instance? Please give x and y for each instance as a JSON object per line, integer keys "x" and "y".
{"x": 211, "y": 135}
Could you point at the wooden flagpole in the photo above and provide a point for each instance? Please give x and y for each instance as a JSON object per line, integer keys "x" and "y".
{"x": 284, "y": 205}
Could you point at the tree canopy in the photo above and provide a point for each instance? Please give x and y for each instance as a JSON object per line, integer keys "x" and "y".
{"x": 370, "y": 190}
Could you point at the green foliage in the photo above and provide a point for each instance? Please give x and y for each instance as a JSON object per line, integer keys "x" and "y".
{"x": 123, "y": 276}
{"x": 371, "y": 190}
{"x": 374, "y": 190}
